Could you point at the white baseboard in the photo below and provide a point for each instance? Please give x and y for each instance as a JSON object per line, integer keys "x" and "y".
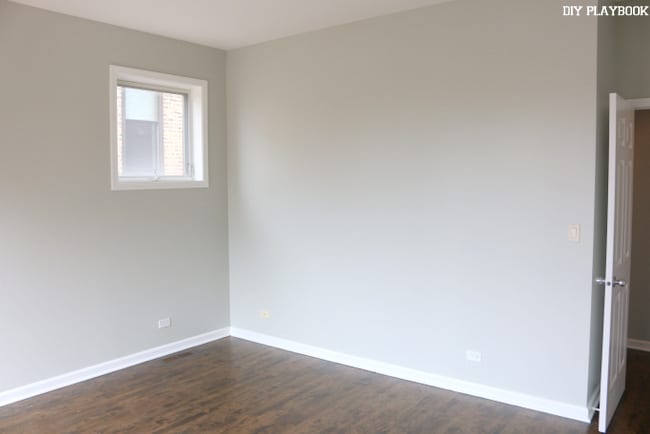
{"x": 576, "y": 412}
{"x": 583, "y": 414}
{"x": 637, "y": 344}
{"x": 47, "y": 385}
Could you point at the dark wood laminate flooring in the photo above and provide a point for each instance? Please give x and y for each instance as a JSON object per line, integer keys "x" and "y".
{"x": 235, "y": 386}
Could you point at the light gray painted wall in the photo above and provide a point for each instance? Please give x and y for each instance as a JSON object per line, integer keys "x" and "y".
{"x": 632, "y": 56}
{"x": 633, "y": 81}
{"x": 401, "y": 189}
{"x": 85, "y": 272}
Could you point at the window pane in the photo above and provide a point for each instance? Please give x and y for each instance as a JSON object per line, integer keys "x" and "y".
{"x": 139, "y": 155}
{"x": 141, "y": 105}
{"x": 151, "y": 133}
{"x": 174, "y": 154}
{"x": 140, "y": 132}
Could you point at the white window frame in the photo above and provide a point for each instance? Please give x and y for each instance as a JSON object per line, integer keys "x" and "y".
{"x": 197, "y": 125}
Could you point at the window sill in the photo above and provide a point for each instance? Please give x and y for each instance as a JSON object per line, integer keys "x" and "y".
{"x": 121, "y": 185}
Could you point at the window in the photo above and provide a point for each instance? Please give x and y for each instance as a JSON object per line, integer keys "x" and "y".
{"x": 158, "y": 130}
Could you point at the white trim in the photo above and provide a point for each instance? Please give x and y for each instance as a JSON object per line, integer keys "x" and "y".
{"x": 122, "y": 185}
{"x": 576, "y": 412}
{"x": 637, "y": 344}
{"x": 47, "y": 385}
{"x": 640, "y": 103}
{"x": 197, "y": 93}
{"x": 571, "y": 411}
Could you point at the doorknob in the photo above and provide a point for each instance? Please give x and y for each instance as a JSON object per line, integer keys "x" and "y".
{"x": 614, "y": 283}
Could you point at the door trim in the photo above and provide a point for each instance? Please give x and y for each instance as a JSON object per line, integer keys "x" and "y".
{"x": 638, "y": 344}
{"x": 640, "y": 103}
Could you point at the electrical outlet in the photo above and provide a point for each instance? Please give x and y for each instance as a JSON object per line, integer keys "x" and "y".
{"x": 574, "y": 233}
{"x": 265, "y": 314}
{"x": 164, "y": 323}
{"x": 473, "y": 356}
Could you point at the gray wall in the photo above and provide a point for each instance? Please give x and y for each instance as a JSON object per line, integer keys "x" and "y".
{"x": 632, "y": 55}
{"x": 86, "y": 272}
{"x": 633, "y": 81}
{"x": 401, "y": 188}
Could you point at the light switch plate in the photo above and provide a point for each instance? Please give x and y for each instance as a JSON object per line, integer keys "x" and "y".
{"x": 574, "y": 233}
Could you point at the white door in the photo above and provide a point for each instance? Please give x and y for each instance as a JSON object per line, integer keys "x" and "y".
{"x": 617, "y": 273}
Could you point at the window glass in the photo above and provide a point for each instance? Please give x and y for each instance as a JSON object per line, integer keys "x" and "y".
{"x": 151, "y": 133}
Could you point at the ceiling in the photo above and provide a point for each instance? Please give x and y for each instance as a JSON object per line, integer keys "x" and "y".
{"x": 227, "y": 24}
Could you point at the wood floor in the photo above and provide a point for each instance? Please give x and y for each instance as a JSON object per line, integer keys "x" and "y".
{"x": 234, "y": 386}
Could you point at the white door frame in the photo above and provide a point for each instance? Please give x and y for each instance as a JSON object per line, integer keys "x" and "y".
{"x": 639, "y": 104}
